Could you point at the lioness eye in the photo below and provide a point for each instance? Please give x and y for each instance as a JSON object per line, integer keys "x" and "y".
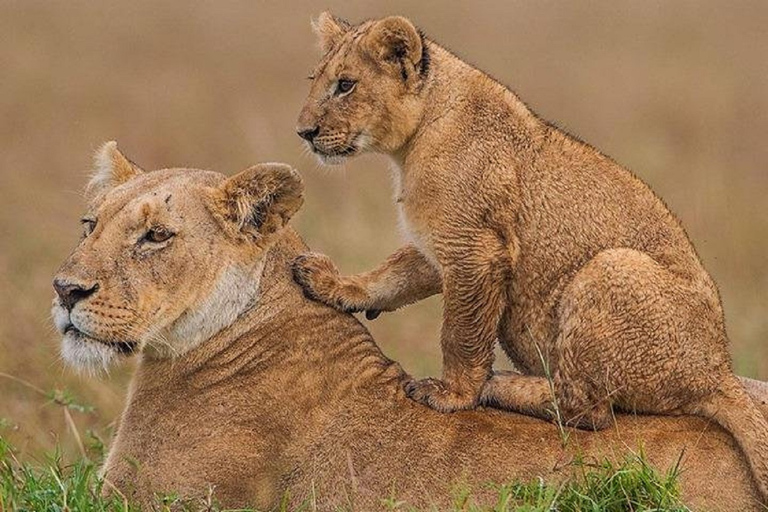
{"x": 88, "y": 226}
{"x": 344, "y": 86}
{"x": 158, "y": 235}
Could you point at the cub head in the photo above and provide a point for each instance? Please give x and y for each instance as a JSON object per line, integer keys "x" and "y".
{"x": 167, "y": 258}
{"x": 366, "y": 90}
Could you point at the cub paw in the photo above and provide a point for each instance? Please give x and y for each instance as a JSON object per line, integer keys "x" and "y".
{"x": 438, "y": 395}
{"x": 321, "y": 282}
{"x": 492, "y": 388}
{"x": 316, "y": 274}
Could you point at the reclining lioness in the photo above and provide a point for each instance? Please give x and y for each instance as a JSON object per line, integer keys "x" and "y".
{"x": 246, "y": 387}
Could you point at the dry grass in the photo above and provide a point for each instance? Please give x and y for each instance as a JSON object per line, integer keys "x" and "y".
{"x": 676, "y": 91}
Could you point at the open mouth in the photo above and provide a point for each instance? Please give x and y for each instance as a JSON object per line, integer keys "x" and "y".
{"x": 122, "y": 347}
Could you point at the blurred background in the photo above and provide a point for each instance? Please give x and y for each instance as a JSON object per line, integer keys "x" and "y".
{"x": 676, "y": 91}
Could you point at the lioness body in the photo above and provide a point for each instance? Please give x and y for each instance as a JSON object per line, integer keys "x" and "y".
{"x": 296, "y": 400}
{"x": 535, "y": 239}
{"x": 286, "y": 397}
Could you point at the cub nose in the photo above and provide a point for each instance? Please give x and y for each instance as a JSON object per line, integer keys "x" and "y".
{"x": 72, "y": 293}
{"x": 308, "y": 134}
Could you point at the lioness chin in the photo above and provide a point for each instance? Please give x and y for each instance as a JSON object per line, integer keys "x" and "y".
{"x": 248, "y": 390}
{"x": 534, "y": 238}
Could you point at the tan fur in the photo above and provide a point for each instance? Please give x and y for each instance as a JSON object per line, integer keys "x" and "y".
{"x": 292, "y": 399}
{"x": 111, "y": 168}
{"x": 534, "y": 237}
{"x": 136, "y": 294}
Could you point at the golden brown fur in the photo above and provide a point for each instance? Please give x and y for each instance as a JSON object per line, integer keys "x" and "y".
{"x": 126, "y": 287}
{"x": 293, "y": 398}
{"x": 534, "y": 238}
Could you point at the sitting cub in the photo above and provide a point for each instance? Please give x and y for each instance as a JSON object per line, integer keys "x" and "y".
{"x": 534, "y": 238}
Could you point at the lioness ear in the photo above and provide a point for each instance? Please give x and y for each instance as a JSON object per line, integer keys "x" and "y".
{"x": 396, "y": 40}
{"x": 110, "y": 169}
{"x": 329, "y": 30}
{"x": 261, "y": 199}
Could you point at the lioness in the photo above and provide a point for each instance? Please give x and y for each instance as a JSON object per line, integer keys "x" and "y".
{"x": 534, "y": 238}
{"x": 246, "y": 387}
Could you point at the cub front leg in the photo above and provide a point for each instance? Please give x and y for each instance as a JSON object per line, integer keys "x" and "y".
{"x": 403, "y": 278}
{"x": 474, "y": 291}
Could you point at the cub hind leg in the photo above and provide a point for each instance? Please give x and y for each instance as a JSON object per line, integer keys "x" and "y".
{"x": 536, "y": 396}
{"x": 636, "y": 336}
{"x": 639, "y": 335}
{"x": 627, "y": 337}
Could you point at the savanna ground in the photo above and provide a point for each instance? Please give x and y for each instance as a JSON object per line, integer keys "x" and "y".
{"x": 677, "y": 92}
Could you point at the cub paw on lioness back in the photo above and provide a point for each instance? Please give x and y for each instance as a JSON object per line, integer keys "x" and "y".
{"x": 320, "y": 280}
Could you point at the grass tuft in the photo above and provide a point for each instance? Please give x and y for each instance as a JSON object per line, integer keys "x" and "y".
{"x": 53, "y": 486}
{"x": 632, "y": 485}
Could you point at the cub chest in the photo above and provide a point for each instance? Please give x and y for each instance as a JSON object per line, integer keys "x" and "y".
{"x": 415, "y": 229}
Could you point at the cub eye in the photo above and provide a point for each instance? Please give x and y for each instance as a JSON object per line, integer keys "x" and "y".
{"x": 345, "y": 86}
{"x": 88, "y": 226}
{"x": 158, "y": 235}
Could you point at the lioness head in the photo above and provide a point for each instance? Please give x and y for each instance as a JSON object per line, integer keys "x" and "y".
{"x": 365, "y": 92}
{"x": 167, "y": 258}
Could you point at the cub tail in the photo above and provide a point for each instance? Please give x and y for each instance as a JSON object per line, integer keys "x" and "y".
{"x": 735, "y": 407}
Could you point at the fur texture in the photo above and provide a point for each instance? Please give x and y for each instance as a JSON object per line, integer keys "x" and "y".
{"x": 126, "y": 287}
{"x": 288, "y": 399}
{"x": 535, "y": 239}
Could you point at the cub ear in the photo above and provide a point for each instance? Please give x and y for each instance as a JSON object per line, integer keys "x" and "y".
{"x": 260, "y": 200}
{"x": 110, "y": 169}
{"x": 396, "y": 40}
{"x": 329, "y": 29}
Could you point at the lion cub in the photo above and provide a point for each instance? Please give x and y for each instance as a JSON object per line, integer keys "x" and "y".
{"x": 535, "y": 239}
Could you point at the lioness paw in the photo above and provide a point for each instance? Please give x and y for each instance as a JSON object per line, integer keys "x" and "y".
{"x": 321, "y": 282}
{"x": 438, "y": 395}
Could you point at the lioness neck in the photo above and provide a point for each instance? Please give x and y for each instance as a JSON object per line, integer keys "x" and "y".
{"x": 269, "y": 383}
{"x": 284, "y": 336}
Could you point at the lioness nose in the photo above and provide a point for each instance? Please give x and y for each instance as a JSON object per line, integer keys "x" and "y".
{"x": 72, "y": 293}
{"x": 308, "y": 134}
